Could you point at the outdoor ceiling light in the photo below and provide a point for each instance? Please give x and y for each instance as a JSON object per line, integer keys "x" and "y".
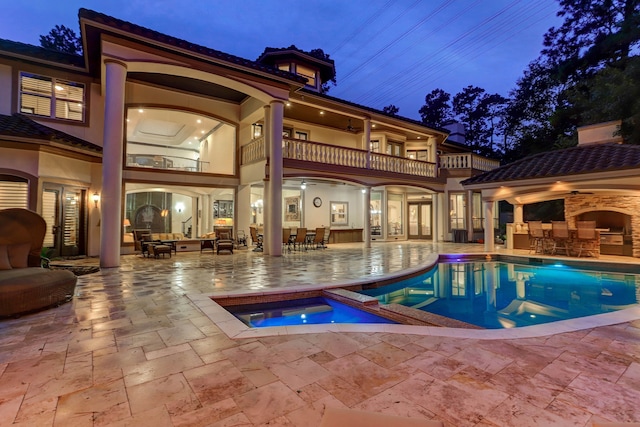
{"x": 303, "y": 185}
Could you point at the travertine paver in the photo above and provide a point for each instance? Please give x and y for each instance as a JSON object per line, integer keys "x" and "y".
{"x": 133, "y": 349}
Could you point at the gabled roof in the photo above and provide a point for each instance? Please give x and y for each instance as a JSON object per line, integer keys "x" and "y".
{"x": 582, "y": 159}
{"x": 137, "y": 31}
{"x": 29, "y": 51}
{"x": 19, "y": 125}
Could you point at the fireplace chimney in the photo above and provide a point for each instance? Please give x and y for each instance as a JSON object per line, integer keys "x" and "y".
{"x": 600, "y": 133}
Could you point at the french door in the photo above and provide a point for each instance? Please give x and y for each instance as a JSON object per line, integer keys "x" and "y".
{"x": 64, "y": 210}
{"x": 420, "y": 220}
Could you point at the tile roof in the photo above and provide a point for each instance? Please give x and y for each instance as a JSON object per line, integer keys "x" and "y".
{"x": 22, "y": 126}
{"x": 41, "y": 53}
{"x": 140, "y": 31}
{"x": 569, "y": 161}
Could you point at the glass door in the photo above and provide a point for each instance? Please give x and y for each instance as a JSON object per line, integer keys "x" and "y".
{"x": 63, "y": 209}
{"x": 420, "y": 221}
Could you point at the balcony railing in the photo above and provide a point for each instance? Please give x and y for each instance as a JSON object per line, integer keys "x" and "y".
{"x": 467, "y": 161}
{"x": 341, "y": 156}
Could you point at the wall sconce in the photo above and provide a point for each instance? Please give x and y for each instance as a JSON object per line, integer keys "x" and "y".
{"x": 96, "y": 198}
{"x": 303, "y": 185}
{"x": 179, "y": 207}
{"x": 364, "y": 191}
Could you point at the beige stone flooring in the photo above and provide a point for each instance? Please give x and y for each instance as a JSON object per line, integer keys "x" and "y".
{"x": 133, "y": 349}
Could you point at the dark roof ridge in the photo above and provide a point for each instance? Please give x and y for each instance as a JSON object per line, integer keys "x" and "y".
{"x": 139, "y": 30}
{"x": 42, "y": 53}
{"x": 20, "y": 125}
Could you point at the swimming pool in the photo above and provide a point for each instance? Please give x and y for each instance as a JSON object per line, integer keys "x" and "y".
{"x": 511, "y": 294}
{"x": 307, "y": 311}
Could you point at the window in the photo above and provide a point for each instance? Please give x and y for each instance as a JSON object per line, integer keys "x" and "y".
{"x": 284, "y": 67}
{"x": 478, "y": 212}
{"x": 308, "y": 73}
{"x": 49, "y": 97}
{"x": 302, "y": 135}
{"x": 375, "y": 145}
{"x": 456, "y": 214}
{"x": 394, "y": 148}
{"x": 14, "y": 192}
{"x": 422, "y": 155}
{"x": 395, "y": 214}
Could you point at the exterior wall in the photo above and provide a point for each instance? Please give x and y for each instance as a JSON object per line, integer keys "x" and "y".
{"x": 21, "y": 160}
{"x": 629, "y": 205}
{"x": 326, "y": 135}
{"x": 7, "y": 90}
{"x": 63, "y": 168}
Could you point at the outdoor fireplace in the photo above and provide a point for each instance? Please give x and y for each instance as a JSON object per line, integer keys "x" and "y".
{"x": 617, "y": 217}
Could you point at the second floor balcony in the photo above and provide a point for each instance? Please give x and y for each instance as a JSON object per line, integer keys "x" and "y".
{"x": 295, "y": 151}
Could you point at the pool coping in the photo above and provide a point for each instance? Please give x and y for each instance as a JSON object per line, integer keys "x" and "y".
{"x": 236, "y": 329}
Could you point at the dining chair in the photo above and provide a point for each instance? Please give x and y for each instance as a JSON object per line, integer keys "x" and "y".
{"x": 536, "y": 237}
{"x": 301, "y": 238}
{"x": 256, "y": 239}
{"x": 286, "y": 238}
{"x": 589, "y": 240}
{"x": 318, "y": 238}
{"x": 560, "y": 237}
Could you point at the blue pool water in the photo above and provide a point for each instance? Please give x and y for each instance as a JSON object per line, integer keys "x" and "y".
{"x": 506, "y": 295}
{"x": 306, "y": 311}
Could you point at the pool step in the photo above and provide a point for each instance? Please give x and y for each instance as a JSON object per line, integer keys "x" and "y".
{"x": 352, "y": 297}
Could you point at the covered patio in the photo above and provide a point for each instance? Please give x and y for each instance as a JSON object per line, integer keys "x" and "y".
{"x": 598, "y": 180}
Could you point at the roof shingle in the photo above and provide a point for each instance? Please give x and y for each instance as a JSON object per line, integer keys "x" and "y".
{"x": 569, "y": 161}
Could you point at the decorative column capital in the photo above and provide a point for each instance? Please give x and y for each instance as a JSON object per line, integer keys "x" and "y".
{"x": 108, "y": 61}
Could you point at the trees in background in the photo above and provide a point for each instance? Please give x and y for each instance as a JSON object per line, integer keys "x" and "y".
{"x": 62, "y": 39}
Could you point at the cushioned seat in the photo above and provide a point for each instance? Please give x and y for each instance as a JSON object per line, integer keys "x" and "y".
{"x": 24, "y": 285}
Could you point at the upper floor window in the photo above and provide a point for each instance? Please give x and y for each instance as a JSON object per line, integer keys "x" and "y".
{"x": 422, "y": 155}
{"x": 395, "y": 148}
{"x": 308, "y": 73}
{"x": 50, "y": 97}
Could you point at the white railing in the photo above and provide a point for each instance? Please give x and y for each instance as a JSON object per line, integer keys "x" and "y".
{"x": 253, "y": 151}
{"x": 467, "y": 161}
{"x": 309, "y": 151}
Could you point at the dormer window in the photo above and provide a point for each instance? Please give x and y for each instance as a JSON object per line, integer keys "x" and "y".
{"x": 307, "y": 73}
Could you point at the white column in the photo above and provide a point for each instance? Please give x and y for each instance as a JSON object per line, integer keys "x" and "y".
{"x": 274, "y": 230}
{"x": 518, "y": 216}
{"x": 489, "y": 232}
{"x": 436, "y": 215}
{"x": 367, "y": 217}
{"x": 469, "y": 216}
{"x": 367, "y": 143}
{"x": 111, "y": 198}
{"x": 266, "y": 202}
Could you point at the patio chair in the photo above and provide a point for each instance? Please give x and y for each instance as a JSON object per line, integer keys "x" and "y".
{"x": 560, "y": 236}
{"x": 318, "y": 240}
{"x": 588, "y": 238}
{"x": 140, "y": 239}
{"x": 256, "y": 239}
{"x": 224, "y": 243}
{"x": 536, "y": 237}
{"x": 301, "y": 238}
{"x": 241, "y": 239}
{"x": 286, "y": 238}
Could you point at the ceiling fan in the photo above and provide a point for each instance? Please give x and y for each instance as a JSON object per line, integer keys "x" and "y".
{"x": 350, "y": 128}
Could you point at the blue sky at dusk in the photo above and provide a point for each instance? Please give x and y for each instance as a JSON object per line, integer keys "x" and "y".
{"x": 386, "y": 51}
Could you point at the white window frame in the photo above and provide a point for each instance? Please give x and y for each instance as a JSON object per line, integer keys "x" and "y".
{"x": 52, "y": 97}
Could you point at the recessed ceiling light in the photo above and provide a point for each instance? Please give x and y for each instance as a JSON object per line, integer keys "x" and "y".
{"x": 199, "y": 121}
{"x": 202, "y": 132}
{"x": 321, "y": 113}
{"x": 288, "y": 104}
{"x": 140, "y": 110}
{"x": 58, "y": 87}
{"x": 373, "y": 125}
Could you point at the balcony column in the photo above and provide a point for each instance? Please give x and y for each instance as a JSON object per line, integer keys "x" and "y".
{"x": 469, "y": 215}
{"x": 367, "y": 145}
{"x": 489, "y": 232}
{"x": 273, "y": 232}
{"x": 367, "y": 216}
{"x": 266, "y": 201}
{"x": 111, "y": 198}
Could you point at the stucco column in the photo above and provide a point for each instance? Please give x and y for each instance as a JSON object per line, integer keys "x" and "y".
{"x": 367, "y": 217}
{"x": 436, "y": 217}
{"x": 274, "y": 230}
{"x": 367, "y": 141}
{"x": 489, "y": 232}
{"x": 266, "y": 201}
{"x": 469, "y": 216}
{"x": 518, "y": 216}
{"x": 111, "y": 198}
